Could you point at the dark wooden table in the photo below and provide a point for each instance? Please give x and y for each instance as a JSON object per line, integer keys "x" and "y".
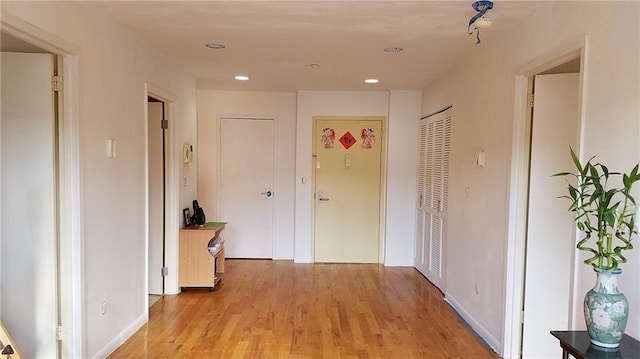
{"x": 577, "y": 344}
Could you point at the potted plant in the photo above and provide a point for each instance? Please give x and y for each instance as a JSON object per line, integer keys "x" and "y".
{"x": 606, "y": 216}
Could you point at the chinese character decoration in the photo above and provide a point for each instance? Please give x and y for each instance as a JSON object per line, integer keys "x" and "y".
{"x": 347, "y": 140}
{"x": 368, "y": 138}
{"x": 328, "y": 137}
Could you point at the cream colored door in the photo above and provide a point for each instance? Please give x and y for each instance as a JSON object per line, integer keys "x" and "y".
{"x": 550, "y": 227}
{"x": 247, "y": 186}
{"x": 347, "y": 179}
{"x": 28, "y": 269}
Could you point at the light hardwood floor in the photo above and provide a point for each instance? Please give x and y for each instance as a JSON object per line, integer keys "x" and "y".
{"x": 277, "y": 309}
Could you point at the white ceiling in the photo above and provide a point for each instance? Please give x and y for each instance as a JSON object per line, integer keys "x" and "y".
{"x": 274, "y": 42}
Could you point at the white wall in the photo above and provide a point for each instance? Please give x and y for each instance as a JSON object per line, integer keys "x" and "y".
{"x": 400, "y": 108}
{"x": 282, "y": 107}
{"x": 113, "y": 68}
{"x": 481, "y": 89}
{"x": 402, "y": 162}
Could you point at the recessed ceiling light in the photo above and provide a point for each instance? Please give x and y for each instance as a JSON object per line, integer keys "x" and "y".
{"x": 392, "y": 49}
{"x": 241, "y": 78}
{"x": 314, "y": 66}
{"x": 215, "y": 46}
{"x": 371, "y": 81}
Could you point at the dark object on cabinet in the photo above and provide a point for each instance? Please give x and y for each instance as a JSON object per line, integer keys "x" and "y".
{"x": 198, "y": 217}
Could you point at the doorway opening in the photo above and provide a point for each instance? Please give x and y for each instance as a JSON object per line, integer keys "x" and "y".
{"x": 40, "y": 194}
{"x": 163, "y": 217}
{"x": 547, "y": 122}
{"x": 157, "y": 195}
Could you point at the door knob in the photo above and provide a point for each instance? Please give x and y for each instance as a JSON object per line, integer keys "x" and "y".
{"x": 267, "y": 193}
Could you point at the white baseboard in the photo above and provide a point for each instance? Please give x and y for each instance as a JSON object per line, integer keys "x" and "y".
{"x": 480, "y": 330}
{"x": 122, "y": 337}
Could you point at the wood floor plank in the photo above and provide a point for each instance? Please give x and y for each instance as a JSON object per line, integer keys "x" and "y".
{"x": 278, "y": 309}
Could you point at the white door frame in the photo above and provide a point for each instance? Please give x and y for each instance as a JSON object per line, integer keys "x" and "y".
{"x": 276, "y": 189}
{"x": 519, "y": 186}
{"x": 172, "y": 212}
{"x": 71, "y": 258}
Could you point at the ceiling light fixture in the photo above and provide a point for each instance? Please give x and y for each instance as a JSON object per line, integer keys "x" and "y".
{"x": 241, "y": 78}
{"x": 314, "y": 66}
{"x": 482, "y": 23}
{"x": 371, "y": 81}
{"x": 392, "y": 49}
{"x": 215, "y": 46}
{"x": 479, "y": 21}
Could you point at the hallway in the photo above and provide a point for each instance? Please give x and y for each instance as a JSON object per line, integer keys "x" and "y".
{"x": 277, "y": 309}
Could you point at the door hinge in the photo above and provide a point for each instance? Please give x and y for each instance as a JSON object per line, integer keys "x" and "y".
{"x": 522, "y": 317}
{"x": 165, "y": 271}
{"x": 56, "y": 83}
{"x": 164, "y": 124}
{"x": 530, "y": 99}
{"x": 59, "y": 333}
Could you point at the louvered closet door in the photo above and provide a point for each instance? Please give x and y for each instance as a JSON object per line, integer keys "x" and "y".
{"x": 433, "y": 183}
{"x": 420, "y": 217}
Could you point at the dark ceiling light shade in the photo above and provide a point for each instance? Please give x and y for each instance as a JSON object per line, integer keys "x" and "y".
{"x": 479, "y": 21}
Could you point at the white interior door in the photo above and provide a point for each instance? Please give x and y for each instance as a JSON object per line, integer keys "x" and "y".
{"x": 550, "y": 227}
{"x": 157, "y": 196}
{"x": 247, "y": 186}
{"x": 28, "y": 280}
{"x": 347, "y": 190}
{"x": 433, "y": 188}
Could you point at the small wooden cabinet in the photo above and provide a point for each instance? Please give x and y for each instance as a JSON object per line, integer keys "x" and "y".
{"x": 196, "y": 266}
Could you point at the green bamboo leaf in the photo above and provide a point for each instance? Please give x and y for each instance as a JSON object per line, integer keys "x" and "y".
{"x": 613, "y": 208}
{"x": 634, "y": 173}
{"x": 575, "y": 159}
{"x": 602, "y": 211}
{"x": 573, "y": 192}
{"x": 610, "y": 219}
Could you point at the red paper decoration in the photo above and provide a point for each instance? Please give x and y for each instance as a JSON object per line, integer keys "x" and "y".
{"x": 348, "y": 140}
